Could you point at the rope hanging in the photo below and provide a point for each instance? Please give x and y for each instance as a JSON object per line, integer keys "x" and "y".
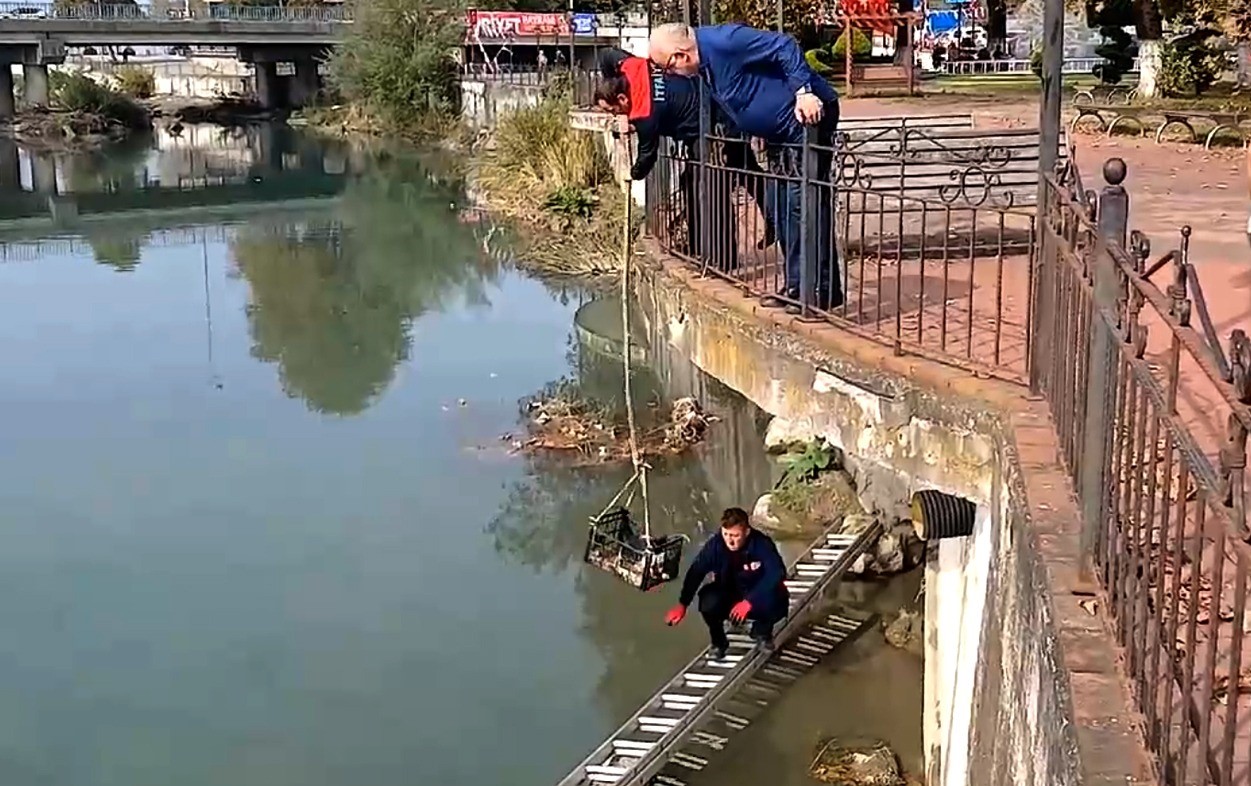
{"x": 640, "y": 467}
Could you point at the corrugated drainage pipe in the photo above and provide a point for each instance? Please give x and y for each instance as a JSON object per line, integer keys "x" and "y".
{"x": 936, "y": 515}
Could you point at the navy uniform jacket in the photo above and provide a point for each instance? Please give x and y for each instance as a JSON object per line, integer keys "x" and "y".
{"x": 661, "y": 105}
{"x": 761, "y": 578}
{"x": 754, "y": 74}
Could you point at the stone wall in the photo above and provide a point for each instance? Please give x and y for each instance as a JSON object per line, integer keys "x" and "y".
{"x": 483, "y": 102}
{"x": 1009, "y": 700}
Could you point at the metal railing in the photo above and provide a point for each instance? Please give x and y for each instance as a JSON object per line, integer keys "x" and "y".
{"x": 928, "y": 253}
{"x": 226, "y": 12}
{"x": 1152, "y": 411}
{"x": 1072, "y": 65}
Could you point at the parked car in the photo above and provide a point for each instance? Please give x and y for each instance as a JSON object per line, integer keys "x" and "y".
{"x": 25, "y": 12}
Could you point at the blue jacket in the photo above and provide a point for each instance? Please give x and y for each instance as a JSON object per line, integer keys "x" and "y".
{"x": 762, "y": 578}
{"x": 753, "y": 75}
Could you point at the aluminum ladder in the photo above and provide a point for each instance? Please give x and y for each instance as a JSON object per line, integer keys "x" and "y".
{"x": 644, "y": 744}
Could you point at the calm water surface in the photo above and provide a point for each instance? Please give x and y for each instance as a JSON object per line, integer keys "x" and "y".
{"x": 261, "y": 527}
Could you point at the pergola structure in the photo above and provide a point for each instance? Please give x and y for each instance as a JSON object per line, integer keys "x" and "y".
{"x": 880, "y": 16}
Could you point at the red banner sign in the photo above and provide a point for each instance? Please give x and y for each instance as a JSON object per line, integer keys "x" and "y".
{"x": 508, "y": 25}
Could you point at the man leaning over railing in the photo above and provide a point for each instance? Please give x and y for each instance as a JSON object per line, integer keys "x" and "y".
{"x": 761, "y": 80}
{"x": 659, "y": 105}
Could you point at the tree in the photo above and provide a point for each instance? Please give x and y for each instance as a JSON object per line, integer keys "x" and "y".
{"x": 800, "y": 17}
{"x": 397, "y": 60}
{"x": 332, "y": 303}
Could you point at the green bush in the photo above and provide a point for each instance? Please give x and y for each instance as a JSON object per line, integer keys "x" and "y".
{"x": 80, "y": 93}
{"x": 861, "y": 47}
{"x": 135, "y": 81}
{"x": 396, "y": 61}
{"x": 1188, "y": 67}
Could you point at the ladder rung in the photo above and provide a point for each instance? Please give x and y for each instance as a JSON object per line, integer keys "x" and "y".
{"x": 659, "y": 720}
{"x": 633, "y": 745}
{"x": 709, "y": 739}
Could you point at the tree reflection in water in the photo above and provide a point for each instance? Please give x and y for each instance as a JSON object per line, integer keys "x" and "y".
{"x": 332, "y": 303}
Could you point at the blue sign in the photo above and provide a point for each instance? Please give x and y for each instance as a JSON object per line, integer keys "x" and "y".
{"x": 585, "y": 24}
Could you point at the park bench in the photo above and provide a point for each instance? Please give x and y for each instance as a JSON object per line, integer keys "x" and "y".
{"x": 1110, "y": 116}
{"x": 963, "y": 167}
{"x": 876, "y": 77}
{"x": 1111, "y": 95}
{"x": 863, "y": 128}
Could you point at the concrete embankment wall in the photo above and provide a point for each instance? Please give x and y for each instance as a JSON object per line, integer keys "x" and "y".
{"x": 483, "y": 102}
{"x": 1021, "y": 685}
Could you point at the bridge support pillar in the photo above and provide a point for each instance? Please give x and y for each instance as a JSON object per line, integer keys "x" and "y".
{"x": 10, "y": 166}
{"x": 8, "y": 107}
{"x": 43, "y": 172}
{"x": 268, "y": 88}
{"x": 306, "y": 83}
{"x": 35, "y": 84}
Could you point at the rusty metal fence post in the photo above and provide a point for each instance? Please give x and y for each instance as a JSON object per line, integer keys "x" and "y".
{"x": 1101, "y": 379}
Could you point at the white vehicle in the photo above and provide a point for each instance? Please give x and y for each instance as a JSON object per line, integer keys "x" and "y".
{"x": 25, "y": 12}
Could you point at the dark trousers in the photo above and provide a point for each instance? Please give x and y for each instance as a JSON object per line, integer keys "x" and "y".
{"x": 785, "y": 195}
{"x": 715, "y": 206}
{"x": 715, "y": 602}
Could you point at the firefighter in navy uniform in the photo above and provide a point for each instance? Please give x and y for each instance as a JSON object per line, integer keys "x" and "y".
{"x": 667, "y": 105}
{"x": 748, "y": 583}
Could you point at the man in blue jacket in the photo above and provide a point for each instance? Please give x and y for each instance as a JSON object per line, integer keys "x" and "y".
{"x": 748, "y": 582}
{"x": 762, "y": 82}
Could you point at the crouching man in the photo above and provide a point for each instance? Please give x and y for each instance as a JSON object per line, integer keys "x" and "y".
{"x": 747, "y": 583}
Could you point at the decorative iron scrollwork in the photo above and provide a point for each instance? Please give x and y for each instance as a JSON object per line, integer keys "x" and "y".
{"x": 975, "y": 187}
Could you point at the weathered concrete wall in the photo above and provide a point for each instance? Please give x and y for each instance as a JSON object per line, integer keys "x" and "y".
{"x": 619, "y": 149}
{"x": 482, "y": 103}
{"x": 1000, "y": 703}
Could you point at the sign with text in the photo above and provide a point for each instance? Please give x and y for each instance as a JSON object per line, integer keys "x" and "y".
{"x": 585, "y": 24}
{"x": 508, "y": 25}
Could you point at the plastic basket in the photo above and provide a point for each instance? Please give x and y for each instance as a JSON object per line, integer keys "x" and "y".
{"x": 614, "y": 545}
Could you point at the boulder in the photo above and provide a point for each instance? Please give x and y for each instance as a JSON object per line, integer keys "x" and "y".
{"x": 906, "y": 632}
{"x": 895, "y": 551}
{"x": 783, "y": 435}
{"x": 807, "y": 509}
{"x": 762, "y": 517}
{"x": 855, "y": 762}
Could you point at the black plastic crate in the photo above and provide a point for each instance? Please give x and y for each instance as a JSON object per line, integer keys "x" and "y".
{"x": 615, "y": 545}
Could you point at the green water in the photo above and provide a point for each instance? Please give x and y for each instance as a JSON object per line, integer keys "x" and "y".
{"x": 261, "y": 527}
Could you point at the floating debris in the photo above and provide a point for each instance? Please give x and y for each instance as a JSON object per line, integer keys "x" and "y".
{"x": 560, "y": 422}
{"x": 855, "y": 762}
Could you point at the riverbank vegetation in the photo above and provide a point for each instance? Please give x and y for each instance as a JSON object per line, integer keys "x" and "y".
{"x": 557, "y": 183}
{"x": 83, "y": 113}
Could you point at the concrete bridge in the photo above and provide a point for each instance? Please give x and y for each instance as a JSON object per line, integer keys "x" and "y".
{"x": 35, "y": 35}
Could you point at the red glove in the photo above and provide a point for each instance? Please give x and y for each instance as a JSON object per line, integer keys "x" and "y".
{"x": 740, "y": 611}
{"x": 675, "y": 614}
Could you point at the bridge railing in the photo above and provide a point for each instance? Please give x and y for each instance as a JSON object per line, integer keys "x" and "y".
{"x": 113, "y": 12}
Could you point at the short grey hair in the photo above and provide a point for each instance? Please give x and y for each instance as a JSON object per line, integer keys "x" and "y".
{"x": 671, "y": 35}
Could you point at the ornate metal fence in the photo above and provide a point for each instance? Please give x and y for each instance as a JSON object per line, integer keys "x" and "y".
{"x": 926, "y": 252}
{"x": 1152, "y": 414}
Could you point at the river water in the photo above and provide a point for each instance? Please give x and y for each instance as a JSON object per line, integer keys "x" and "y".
{"x": 262, "y": 528}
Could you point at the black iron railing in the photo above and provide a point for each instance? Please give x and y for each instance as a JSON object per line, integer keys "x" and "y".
{"x": 1153, "y": 410}
{"x": 921, "y": 247}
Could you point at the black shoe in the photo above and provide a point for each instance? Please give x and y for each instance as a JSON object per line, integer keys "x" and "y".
{"x": 764, "y": 643}
{"x": 779, "y": 300}
{"x": 719, "y": 653}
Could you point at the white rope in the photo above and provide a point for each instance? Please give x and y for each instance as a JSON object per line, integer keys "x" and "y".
{"x": 640, "y": 469}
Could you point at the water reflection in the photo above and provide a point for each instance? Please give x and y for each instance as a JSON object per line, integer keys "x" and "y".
{"x": 332, "y": 303}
